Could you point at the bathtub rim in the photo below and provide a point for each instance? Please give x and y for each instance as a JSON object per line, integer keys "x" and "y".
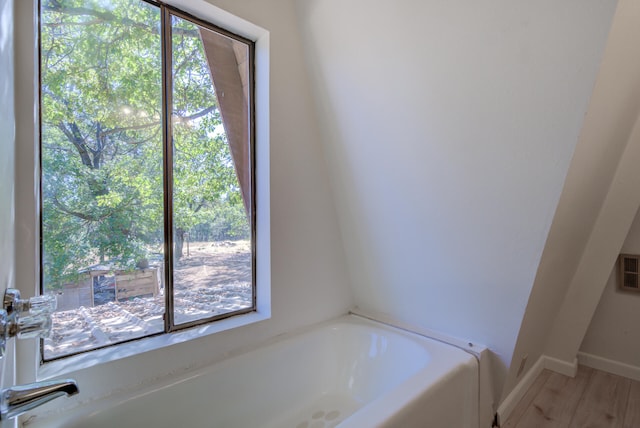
{"x": 85, "y": 409}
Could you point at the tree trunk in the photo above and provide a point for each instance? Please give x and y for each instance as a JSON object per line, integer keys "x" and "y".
{"x": 179, "y": 238}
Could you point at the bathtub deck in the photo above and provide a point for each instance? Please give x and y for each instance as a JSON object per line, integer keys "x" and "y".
{"x": 593, "y": 398}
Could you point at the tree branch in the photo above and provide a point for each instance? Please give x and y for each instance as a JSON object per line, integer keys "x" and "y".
{"x": 57, "y": 148}
{"x": 76, "y": 138}
{"x": 56, "y": 6}
{"x": 80, "y": 215}
{"x": 198, "y": 114}
{"x": 156, "y": 123}
{"x": 129, "y": 128}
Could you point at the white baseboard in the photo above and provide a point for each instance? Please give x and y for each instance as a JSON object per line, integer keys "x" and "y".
{"x": 544, "y": 362}
{"x": 609, "y": 366}
{"x": 560, "y": 366}
{"x": 516, "y": 394}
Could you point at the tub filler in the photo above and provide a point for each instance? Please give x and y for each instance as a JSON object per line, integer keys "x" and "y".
{"x": 350, "y": 372}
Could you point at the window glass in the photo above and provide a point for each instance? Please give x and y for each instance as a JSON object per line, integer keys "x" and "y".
{"x": 116, "y": 172}
{"x": 211, "y": 209}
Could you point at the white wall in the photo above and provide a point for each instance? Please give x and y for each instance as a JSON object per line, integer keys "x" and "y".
{"x": 7, "y": 155}
{"x": 555, "y": 321}
{"x": 449, "y": 127}
{"x": 7, "y": 147}
{"x": 605, "y": 242}
{"x": 309, "y": 276}
{"x": 613, "y": 331}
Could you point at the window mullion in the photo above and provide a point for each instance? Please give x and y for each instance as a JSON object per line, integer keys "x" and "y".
{"x": 139, "y": 145}
{"x": 167, "y": 148}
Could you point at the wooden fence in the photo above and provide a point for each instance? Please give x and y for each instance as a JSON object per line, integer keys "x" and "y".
{"x": 128, "y": 284}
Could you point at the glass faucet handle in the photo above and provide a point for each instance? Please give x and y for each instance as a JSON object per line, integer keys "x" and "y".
{"x": 44, "y": 304}
{"x": 33, "y": 326}
{"x": 14, "y": 304}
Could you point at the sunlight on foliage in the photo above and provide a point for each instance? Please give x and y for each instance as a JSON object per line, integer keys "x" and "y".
{"x": 102, "y": 154}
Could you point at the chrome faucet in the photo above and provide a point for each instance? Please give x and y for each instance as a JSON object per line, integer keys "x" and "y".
{"x": 29, "y": 318}
{"x": 19, "y": 399}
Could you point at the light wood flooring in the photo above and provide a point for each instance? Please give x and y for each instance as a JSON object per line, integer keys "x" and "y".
{"x": 592, "y": 399}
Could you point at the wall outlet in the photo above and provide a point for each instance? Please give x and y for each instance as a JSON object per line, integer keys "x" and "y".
{"x": 523, "y": 362}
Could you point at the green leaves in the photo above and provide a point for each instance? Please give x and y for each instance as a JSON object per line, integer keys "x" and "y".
{"x": 102, "y": 166}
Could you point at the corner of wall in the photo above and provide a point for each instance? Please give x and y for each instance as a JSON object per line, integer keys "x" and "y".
{"x": 590, "y": 223}
{"x": 524, "y": 386}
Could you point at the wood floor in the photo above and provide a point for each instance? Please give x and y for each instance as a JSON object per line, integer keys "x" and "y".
{"x": 592, "y": 399}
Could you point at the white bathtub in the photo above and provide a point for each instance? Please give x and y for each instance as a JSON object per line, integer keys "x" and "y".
{"x": 348, "y": 373}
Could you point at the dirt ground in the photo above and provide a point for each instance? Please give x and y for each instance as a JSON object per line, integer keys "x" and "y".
{"x": 206, "y": 263}
{"x": 211, "y": 278}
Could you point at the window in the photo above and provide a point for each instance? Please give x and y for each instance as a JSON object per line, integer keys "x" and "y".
{"x": 148, "y": 219}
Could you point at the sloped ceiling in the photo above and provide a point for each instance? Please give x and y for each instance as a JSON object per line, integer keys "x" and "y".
{"x": 596, "y": 209}
{"x": 448, "y": 128}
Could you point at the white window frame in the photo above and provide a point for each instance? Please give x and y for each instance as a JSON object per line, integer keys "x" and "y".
{"x": 27, "y": 195}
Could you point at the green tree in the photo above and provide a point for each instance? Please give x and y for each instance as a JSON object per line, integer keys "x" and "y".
{"x": 102, "y": 139}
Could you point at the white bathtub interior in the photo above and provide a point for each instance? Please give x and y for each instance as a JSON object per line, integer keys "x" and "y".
{"x": 350, "y": 372}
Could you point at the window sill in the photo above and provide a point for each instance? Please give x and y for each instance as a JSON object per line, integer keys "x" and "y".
{"x": 74, "y": 363}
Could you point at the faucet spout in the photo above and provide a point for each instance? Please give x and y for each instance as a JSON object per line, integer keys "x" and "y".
{"x": 19, "y": 399}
